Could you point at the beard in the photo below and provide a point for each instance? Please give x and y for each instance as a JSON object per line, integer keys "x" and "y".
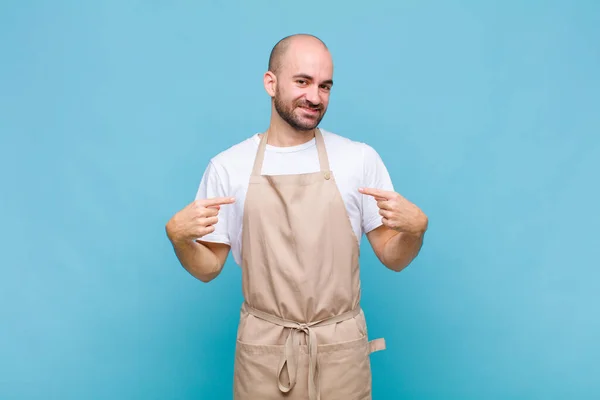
{"x": 286, "y": 112}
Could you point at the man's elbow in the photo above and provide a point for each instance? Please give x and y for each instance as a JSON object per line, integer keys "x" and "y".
{"x": 206, "y": 278}
{"x": 396, "y": 266}
{"x": 203, "y": 276}
{"x": 399, "y": 261}
{"x": 209, "y": 277}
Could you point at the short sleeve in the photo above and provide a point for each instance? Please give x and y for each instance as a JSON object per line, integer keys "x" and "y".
{"x": 375, "y": 175}
{"x": 211, "y": 185}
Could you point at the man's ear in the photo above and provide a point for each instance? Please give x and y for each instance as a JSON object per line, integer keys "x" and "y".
{"x": 270, "y": 81}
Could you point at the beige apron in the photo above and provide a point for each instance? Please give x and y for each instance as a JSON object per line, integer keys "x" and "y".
{"x": 302, "y": 333}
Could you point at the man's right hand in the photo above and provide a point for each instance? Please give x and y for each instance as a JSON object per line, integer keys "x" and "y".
{"x": 196, "y": 220}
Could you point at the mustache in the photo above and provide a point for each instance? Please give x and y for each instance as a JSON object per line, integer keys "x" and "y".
{"x": 310, "y": 105}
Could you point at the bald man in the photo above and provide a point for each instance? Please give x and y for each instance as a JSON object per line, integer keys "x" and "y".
{"x": 291, "y": 204}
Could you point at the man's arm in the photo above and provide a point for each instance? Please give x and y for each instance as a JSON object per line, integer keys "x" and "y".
{"x": 203, "y": 260}
{"x": 398, "y": 241}
{"x": 396, "y": 250}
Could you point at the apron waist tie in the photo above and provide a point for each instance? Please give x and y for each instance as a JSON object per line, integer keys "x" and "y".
{"x": 290, "y": 356}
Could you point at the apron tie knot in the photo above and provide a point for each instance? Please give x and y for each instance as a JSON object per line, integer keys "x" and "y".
{"x": 291, "y": 349}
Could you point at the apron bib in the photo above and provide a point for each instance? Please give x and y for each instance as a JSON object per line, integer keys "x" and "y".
{"x": 302, "y": 333}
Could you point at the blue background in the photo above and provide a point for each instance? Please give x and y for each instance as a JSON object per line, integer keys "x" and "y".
{"x": 486, "y": 114}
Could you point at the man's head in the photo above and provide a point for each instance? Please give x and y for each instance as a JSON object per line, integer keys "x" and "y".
{"x": 299, "y": 80}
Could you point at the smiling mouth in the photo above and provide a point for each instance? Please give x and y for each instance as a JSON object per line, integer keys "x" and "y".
{"x": 310, "y": 110}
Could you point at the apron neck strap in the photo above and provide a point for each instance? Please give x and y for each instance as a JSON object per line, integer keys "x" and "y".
{"x": 260, "y": 154}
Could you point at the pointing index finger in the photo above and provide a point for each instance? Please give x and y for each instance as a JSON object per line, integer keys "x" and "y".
{"x": 217, "y": 201}
{"x": 377, "y": 193}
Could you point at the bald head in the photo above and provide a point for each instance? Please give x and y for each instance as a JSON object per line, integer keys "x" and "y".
{"x": 300, "y": 40}
{"x": 299, "y": 80}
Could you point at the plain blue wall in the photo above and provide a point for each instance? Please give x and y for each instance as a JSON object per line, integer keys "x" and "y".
{"x": 486, "y": 114}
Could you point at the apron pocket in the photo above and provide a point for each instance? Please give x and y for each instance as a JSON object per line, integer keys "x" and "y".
{"x": 255, "y": 373}
{"x": 345, "y": 370}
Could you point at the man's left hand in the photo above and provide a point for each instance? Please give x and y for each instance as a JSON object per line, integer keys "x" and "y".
{"x": 398, "y": 213}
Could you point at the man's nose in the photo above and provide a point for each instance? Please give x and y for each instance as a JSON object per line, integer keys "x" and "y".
{"x": 313, "y": 95}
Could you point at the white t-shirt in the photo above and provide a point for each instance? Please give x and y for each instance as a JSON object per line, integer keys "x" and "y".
{"x": 354, "y": 165}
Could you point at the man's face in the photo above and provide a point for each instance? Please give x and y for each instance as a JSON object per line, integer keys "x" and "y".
{"x": 303, "y": 86}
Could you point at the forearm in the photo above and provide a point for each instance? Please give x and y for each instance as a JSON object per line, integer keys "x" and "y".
{"x": 401, "y": 249}
{"x": 200, "y": 261}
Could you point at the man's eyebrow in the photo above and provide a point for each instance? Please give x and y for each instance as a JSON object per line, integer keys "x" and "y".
{"x": 305, "y": 76}
{"x": 310, "y": 78}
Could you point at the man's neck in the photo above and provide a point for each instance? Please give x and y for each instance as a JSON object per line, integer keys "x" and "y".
{"x": 281, "y": 134}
